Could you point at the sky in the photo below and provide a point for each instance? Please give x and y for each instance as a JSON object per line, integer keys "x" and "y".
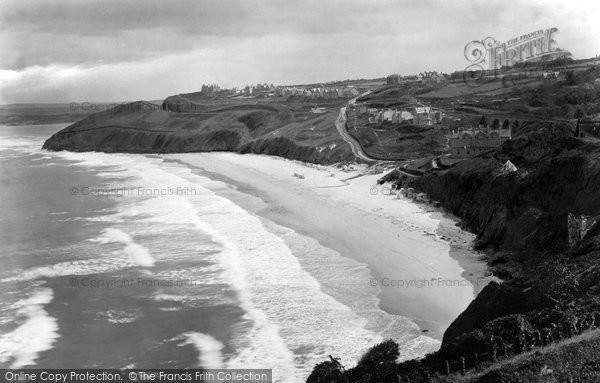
{"x": 122, "y": 50}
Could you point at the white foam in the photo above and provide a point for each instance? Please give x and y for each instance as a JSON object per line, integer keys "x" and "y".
{"x": 170, "y": 298}
{"x": 284, "y": 304}
{"x": 36, "y": 334}
{"x": 209, "y": 349}
{"x": 292, "y": 323}
{"x": 119, "y": 316}
{"x": 41, "y": 158}
{"x": 82, "y": 267}
{"x": 136, "y": 252}
{"x": 21, "y": 144}
{"x": 262, "y": 344}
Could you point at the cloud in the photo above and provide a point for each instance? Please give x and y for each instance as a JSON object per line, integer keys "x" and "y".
{"x": 72, "y": 50}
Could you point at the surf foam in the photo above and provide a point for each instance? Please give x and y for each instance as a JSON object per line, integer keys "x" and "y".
{"x": 136, "y": 252}
{"x": 209, "y": 349}
{"x": 22, "y": 346}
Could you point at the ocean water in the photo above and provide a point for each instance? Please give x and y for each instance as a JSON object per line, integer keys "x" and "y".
{"x": 122, "y": 260}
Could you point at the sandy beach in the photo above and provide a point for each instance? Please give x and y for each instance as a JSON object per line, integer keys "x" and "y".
{"x": 417, "y": 257}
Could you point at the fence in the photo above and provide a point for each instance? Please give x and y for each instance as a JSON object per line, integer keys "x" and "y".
{"x": 526, "y": 341}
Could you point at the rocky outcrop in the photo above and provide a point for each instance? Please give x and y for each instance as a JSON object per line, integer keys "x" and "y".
{"x": 494, "y": 301}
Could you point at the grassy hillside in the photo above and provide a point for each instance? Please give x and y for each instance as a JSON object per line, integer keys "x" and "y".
{"x": 394, "y": 142}
{"x": 572, "y": 360}
{"x": 189, "y": 123}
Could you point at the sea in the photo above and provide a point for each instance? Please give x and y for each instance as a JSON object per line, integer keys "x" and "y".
{"x": 133, "y": 261}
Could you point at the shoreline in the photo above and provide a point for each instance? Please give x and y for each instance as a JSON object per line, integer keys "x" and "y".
{"x": 332, "y": 210}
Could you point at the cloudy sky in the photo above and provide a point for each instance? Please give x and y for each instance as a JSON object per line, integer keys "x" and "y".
{"x": 116, "y": 50}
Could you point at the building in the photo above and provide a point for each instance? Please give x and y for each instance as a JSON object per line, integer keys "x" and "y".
{"x": 410, "y": 113}
{"x": 249, "y": 90}
{"x": 361, "y": 108}
{"x": 431, "y": 78}
{"x": 551, "y": 76}
{"x": 210, "y": 88}
{"x": 348, "y": 92}
{"x": 393, "y": 79}
{"x": 388, "y": 115}
{"x": 468, "y": 142}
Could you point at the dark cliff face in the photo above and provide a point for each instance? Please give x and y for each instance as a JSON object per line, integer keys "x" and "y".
{"x": 526, "y": 209}
{"x": 180, "y": 125}
{"x": 521, "y": 217}
{"x": 527, "y": 221}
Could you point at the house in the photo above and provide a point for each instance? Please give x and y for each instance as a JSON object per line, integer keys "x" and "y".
{"x": 361, "y": 108}
{"x": 411, "y": 78}
{"x": 422, "y": 115}
{"x": 467, "y": 142}
{"x": 211, "y": 88}
{"x": 508, "y": 167}
{"x": 393, "y": 79}
{"x": 434, "y": 78}
{"x": 423, "y": 119}
{"x": 388, "y": 115}
{"x": 348, "y": 92}
{"x": 405, "y": 116}
{"x": 552, "y": 75}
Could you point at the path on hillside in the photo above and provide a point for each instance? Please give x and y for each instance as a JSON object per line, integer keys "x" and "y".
{"x": 340, "y": 124}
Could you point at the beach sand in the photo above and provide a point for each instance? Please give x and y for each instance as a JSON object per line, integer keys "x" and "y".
{"x": 417, "y": 256}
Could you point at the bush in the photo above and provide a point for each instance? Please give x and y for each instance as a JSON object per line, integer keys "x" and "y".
{"x": 330, "y": 371}
{"x": 385, "y": 352}
{"x": 378, "y": 365}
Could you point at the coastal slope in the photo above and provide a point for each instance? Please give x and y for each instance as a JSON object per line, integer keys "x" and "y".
{"x": 179, "y": 125}
{"x": 538, "y": 224}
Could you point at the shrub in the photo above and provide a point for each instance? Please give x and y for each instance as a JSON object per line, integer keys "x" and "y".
{"x": 330, "y": 371}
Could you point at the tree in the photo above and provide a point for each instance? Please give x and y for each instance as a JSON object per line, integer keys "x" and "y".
{"x": 378, "y": 365}
{"x": 579, "y": 113}
{"x": 384, "y": 352}
{"x": 515, "y": 125}
{"x": 506, "y": 124}
{"x": 570, "y": 78}
{"x": 564, "y": 284}
{"x": 542, "y": 96}
{"x": 483, "y": 122}
{"x": 496, "y": 124}
{"x": 330, "y": 371}
{"x": 567, "y": 111}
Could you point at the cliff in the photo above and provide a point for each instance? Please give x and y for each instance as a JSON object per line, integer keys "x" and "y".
{"x": 522, "y": 218}
{"x": 184, "y": 124}
{"x": 538, "y": 227}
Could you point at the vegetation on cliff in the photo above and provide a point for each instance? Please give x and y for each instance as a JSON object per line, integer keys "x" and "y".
{"x": 198, "y": 124}
{"x": 521, "y": 219}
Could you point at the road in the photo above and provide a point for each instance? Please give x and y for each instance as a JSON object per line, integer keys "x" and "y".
{"x": 340, "y": 124}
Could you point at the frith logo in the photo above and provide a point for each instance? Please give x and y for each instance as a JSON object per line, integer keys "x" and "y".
{"x": 491, "y": 54}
